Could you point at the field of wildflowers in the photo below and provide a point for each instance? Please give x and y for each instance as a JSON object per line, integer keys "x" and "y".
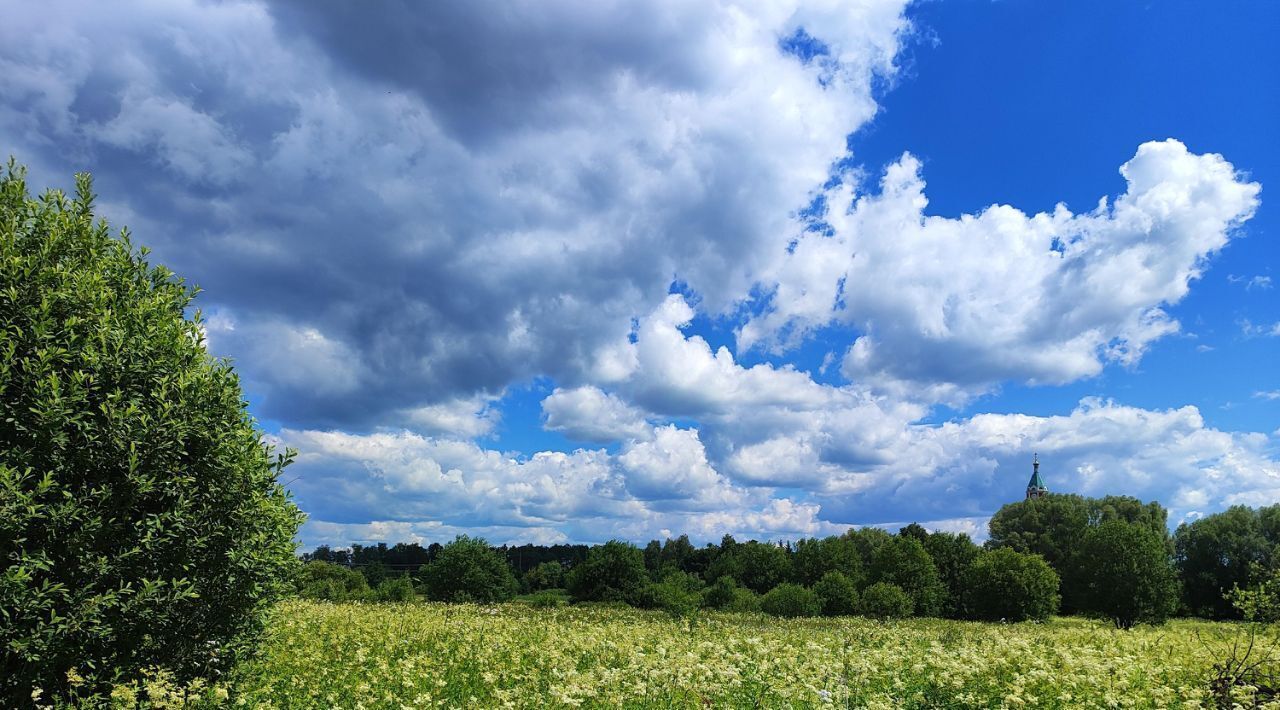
{"x": 416, "y": 655}
{"x": 513, "y": 655}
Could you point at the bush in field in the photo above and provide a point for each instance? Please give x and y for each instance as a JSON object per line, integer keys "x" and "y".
{"x": 885, "y": 601}
{"x": 815, "y": 557}
{"x": 1223, "y": 551}
{"x": 759, "y": 566}
{"x": 395, "y": 589}
{"x": 838, "y": 595}
{"x": 546, "y": 575}
{"x": 744, "y": 601}
{"x": 468, "y": 570}
{"x": 679, "y": 594}
{"x": 546, "y": 599}
{"x": 142, "y": 524}
{"x": 726, "y": 595}
{"x": 1128, "y": 577}
{"x": 612, "y": 572}
{"x": 904, "y": 562}
{"x": 791, "y": 600}
{"x": 330, "y": 582}
{"x": 1009, "y": 585}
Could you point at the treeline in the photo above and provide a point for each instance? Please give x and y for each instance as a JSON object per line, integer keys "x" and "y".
{"x": 1111, "y": 557}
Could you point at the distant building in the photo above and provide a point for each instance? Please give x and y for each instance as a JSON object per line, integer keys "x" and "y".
{"x": 1036, "y": 487}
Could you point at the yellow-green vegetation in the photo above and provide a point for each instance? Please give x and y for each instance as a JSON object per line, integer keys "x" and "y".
{"x": 421, "y": 655}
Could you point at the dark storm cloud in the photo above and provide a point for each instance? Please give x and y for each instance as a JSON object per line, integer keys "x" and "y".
{"x": 397, "y": 208}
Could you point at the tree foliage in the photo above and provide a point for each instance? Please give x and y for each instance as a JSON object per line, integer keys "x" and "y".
{"x": 1220, "y": 552}
{"x": 838, "y": 594}
{"x": 814, "y": 558}
{"x": 547, "y": 575}
{"x": 468, "y": 570}
{"x": 885, "y": 601}
{"x": 612, "y": 572}
{"x": 1004, "y": 584}
{"x": 952, "y": 554}
{"x": 791, "y": 600}
{"x": 904, "y": 563}
{"x": 1130, "y": 577}
{"x": 142, "y": 523}
{"x": 329, "y": 582}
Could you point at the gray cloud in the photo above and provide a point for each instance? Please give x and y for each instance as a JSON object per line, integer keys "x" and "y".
{"x": 453, "y": 197}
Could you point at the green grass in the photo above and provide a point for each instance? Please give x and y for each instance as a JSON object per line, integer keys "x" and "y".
{"x": 322, "y": 655}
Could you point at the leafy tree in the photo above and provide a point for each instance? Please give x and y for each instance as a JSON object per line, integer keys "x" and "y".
{"x": 1261, "y": 601}
{"x": 375, "y": 572}
{"x": 1010, "y": 585}
{"x": 653, "y": 557}
{"x": 719, "y": 593}
{"x": 837, "y": 593}
{"x": 469, "y": 570}
{"x": 679, "y": 594}
{"x": 905, "y": 563}
{"x": 867, "y": 541}
{"x": 952, "y": 554}
{"x": 142, "y": 523}
{"x": 1052, "y": 526}
{"x": 791, "y": 600}
{"x": 885, "y": 601}
{"x": 1128, "y": 577}
{"x": 395, "y": 589}
{"x": 678, "y": 554}
{"x": 613, "y": 571}
{"x": 1055, "y": 526}
{"x": 1220, "y": 552}
{"x": 814, "y": 558}
{"x": 547, "y": 575}
{"x": 330, "y": 582}
{"x": 915, "y": 530}
{"x": 758, "y": 566}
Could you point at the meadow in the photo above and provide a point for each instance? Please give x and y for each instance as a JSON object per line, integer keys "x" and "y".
{"x": 422, "y": 655}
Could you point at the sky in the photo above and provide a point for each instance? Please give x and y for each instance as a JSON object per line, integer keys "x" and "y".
{"x": 566, "y": 272}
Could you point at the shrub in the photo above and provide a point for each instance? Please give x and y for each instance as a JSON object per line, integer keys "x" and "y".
{"x": 720, "y": 593}
{"x": 468, "y": 570}
{"x": 744, "y": 601}
{"x": 791, "y": 600}
{"x": 330, "y": 582}
{"x": 546, "y": 575}
{"x": 904, "y": 562}
{"x": 612, "y": 572}
{"x": 885, "y": 601}
{"x": 1010, "y": 585}
{"x": 395, "y": 589}
{"x": 679, "y": 594}
{"x": 546, "y": 599}
{"x": 838, "y": 595}
{"x": 142, "y": 523}
{"x": 1128, "y": 574}
{"x": 726, "y": 595}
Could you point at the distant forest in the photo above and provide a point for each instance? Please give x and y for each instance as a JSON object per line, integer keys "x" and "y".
{"x": 1111, "y": 557}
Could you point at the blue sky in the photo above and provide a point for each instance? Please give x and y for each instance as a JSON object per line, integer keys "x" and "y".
{"x": 553, "y": 273}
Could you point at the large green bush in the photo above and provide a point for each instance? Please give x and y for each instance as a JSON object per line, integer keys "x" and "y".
{"x": 468, "y": 570}
{"x": 142, "y": 522}
{"x": 838, "y": 594}
{"x": 612, "y": 572}
{"x": 1128, "y": 575}
{"x": 329, "y": 582}
{"x": 1004, "y": 584}
{"x": 791, "y": 600}
{"x": 885, "y": 601}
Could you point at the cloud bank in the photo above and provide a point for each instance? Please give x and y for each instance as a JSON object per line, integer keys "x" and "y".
{"x": 400, "y": 217}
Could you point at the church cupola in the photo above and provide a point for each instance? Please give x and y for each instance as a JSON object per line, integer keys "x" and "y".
{"x": 1036, "y": 487}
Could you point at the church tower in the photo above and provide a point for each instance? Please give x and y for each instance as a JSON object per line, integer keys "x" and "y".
{"x": 1035, "y": 487}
